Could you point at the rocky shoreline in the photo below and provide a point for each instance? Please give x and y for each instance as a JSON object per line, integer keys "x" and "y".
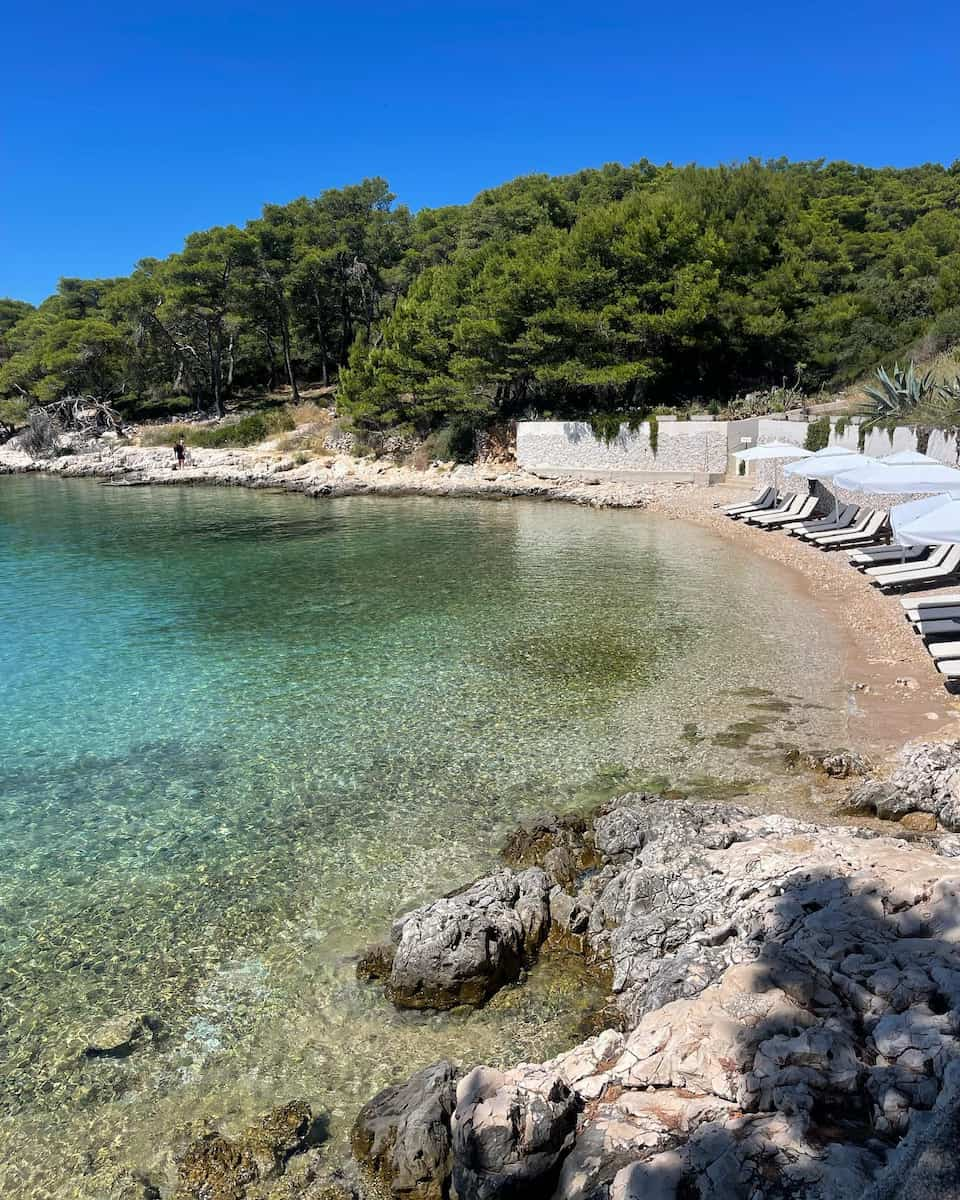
{"x": 789, "y": 1002}
{"x": 785, "y": 1017}
{"x": 334, "y": 476}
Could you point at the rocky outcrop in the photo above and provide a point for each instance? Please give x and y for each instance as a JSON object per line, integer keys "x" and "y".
{"x": 342, "y": 475}
{"x": 402, "y": 1136}
{"x": 925, "y": 779}
{"x": 511, "y": 1130}
{"x": 465, "y": 947}
{"x": 790, "y": 1011}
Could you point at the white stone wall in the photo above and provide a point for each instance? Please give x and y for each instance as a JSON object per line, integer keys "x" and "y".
{"x": 683, "y": 447}
{"x": 694, "y": 449}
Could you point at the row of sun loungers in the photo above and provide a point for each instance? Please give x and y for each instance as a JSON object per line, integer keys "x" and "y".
{"x": 937, "y": 620}
{"x": 864, "y": 533}
{"x": 849, "y": 527}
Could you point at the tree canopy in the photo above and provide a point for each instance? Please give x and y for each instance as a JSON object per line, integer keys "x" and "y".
{"x": 607, "y": 291}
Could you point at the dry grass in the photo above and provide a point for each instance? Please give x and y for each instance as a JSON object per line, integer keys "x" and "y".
{"x": 309, "y": 412}
{"x": 304, "y": 441}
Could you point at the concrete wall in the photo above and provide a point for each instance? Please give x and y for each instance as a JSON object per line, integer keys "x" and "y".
{"x": 685, "y": 449}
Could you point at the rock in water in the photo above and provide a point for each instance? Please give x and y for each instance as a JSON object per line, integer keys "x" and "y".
{"x": 511, "y": 1131}
{"x": 463, "y": 948}
{"x": 375, "y": 962}
{"x": 402, "y": 1136}
{"x": 220, "y": 1168}
{"x": 531, "y": 842}
{"x": 120, "y": 1036}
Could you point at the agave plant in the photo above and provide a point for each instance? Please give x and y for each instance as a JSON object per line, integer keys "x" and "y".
{"x": 901, "y": 397}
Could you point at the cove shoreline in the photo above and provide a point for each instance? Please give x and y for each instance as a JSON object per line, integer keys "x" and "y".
{"x": 895, "y": 694}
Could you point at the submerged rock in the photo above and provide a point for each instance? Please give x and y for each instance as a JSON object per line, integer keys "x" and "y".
{"x": 463, "y": 948}
{"x": 531, "y": 842}
{"x": 838, "y": 764}
{"x": 121, "y": 1035}
{"x": 375, "y": 962}
{"x": 221, "y": 1168}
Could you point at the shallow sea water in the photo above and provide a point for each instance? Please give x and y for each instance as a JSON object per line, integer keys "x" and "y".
{"x": 240, "y": 731}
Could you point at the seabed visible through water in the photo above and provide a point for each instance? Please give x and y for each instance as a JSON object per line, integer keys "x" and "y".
{"x": 241, "y": 731}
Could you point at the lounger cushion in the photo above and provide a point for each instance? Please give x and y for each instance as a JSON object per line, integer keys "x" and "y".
{"x": 931, "y": 601}
{"x": 942, "y": 612}
{"x": 941, "y": 650}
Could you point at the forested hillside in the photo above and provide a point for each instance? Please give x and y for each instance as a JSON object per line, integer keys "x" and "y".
{"x": 608, "y": 291}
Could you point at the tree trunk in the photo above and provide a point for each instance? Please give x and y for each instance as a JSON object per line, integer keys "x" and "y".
{"x": 272, "y": 360}
{"x": 321, "y": 338}
{"x": 216, "y": 379}
{"x": 230, "y": 365}
{"x": 287, "y": 360}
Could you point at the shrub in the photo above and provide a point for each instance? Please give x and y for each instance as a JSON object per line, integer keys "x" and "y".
{"x": 944, "y": 331}
{"x": 456, "y": 441}
{"x": 40, "y": 439}
{"x": 13, "y": 416}
{"x": 818, "y": 434}
{"x": 247, "y": 431}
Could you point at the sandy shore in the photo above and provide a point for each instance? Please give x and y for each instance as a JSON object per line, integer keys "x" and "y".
{"x": 881, "y": 649}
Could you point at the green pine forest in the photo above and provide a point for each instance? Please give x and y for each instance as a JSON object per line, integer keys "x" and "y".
{"x": 604, "y": 293}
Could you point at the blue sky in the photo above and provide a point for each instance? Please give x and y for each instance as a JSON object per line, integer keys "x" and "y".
{"x": 125, "y": 127}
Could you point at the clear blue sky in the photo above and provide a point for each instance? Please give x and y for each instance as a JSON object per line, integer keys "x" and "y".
{"x": 127, "y": 126}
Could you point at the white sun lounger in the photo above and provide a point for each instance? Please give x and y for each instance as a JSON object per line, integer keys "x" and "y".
{"x": 934, "y": 628}
{"x": 789, "y": 504}
{"x": 832, "y": 524}
{"x": 878, "y": 556}
{"x": 950, "y": 565}
{"x": 943, "y": 612}
{"x": 950, "y": 668}
{"x": 868, "y": 529}
{"x": 887, "y": 571}
{"x": 775, "y": 503}
{"x": 941, "y": 650}
{"x": 765, "y": 499}
{"x": 930, "y": 601}
{"x": 774, "y": 520}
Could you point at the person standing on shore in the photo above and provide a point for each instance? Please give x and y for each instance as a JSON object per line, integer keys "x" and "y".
{"x": 180, "y": 450}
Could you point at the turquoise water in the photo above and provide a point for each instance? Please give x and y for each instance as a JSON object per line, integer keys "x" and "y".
{"x": 239, "y": 731}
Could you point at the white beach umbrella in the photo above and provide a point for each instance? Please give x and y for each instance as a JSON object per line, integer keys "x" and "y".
{"x": 825, "y": 466}
{"x": 771, "y": 452}
{"x": 904, "y": 514}
{"x": 901, "y": 481}
{"x": 938, "y": 524}
{"x": 906, "y": 458}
